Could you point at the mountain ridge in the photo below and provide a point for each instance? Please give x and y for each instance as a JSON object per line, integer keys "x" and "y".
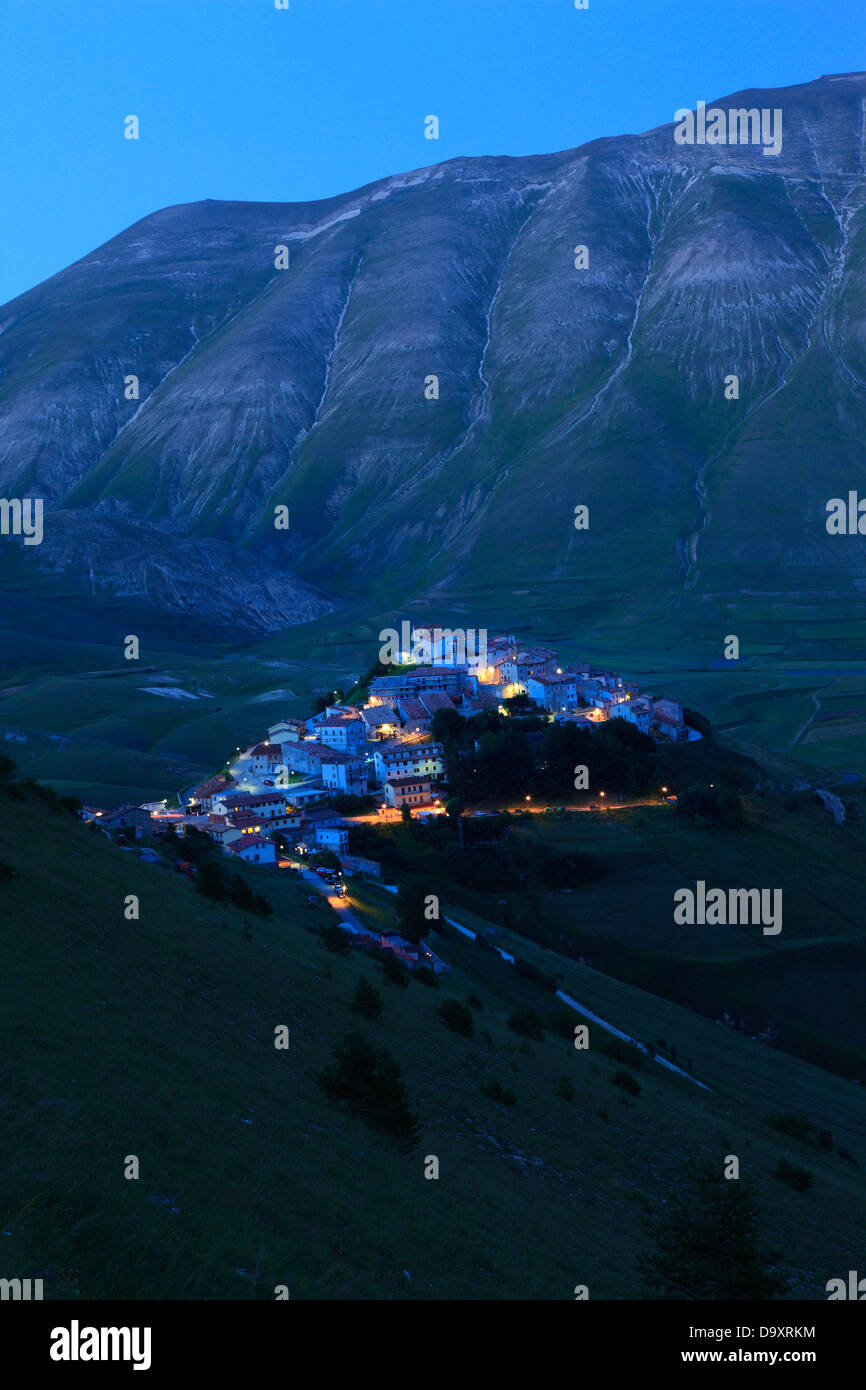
{"x": 306, "y": 387}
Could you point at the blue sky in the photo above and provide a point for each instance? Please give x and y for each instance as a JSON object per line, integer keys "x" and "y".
{"x": 239, "y": 100}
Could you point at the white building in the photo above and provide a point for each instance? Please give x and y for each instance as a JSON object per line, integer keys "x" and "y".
{"x": 335, "y": 837}
{"x": 638, "y": 712}
{"x": 253, "y": 849}
{"x": 346, "y": 734}
{"x": 554, "y": 691}
{"x": 409, "y": 760}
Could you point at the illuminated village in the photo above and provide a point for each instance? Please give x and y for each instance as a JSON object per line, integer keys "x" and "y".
{"x": 382, "y": 748}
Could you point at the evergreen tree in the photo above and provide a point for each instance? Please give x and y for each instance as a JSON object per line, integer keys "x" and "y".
{"x": 708, "y": 1245}
{"x": 368, "y": 1079}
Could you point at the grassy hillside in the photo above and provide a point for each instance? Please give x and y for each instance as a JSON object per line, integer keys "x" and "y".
{"x": 155, "y": 1038}
{"x": 805, "y": 982}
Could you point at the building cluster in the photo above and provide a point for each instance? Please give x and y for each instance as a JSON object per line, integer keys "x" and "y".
{"x": 504, "y": 668}
{"x": 384, "y": 746}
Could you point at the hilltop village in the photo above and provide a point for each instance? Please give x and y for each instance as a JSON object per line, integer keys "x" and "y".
{"x": 380, "y": 746}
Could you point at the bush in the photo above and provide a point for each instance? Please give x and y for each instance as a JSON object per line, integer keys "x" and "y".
{"x": 425, "y": 976}
{"x": 394, "y": 971}
{"x": 367, "y": 1078}
{"x": 495, "y": 1091}
{"x": 795, "y": 1126}
{"x": 795, "y": 1176}
{"x": 626, "y": 1081}
{"x": 621, "y": 1051}
{"x": 718, "y": 804}
{"x": 368, "y": 1002}
{"x": 7, "y": 871}
{"x": 532, "y": 972}
{"x": 210, "y": 880}
{"x": 456, "y": 1016}
{"x": 527, "y": 1023}
{"x": 335, "y": 939}
{"x": 564, "y": 1088}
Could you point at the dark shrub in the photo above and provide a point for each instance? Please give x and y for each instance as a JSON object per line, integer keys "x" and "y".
{"x": 622, "y": 1051}
{"x": 456, "y": 1016}
{"x": 210, "y": 880}
{"x": 502, "y": 1094}
{"x": 367, "y": 1078}
{"x": 336, "y": 940}
{"x": 795, "y": 1176}
{"x": 527, "y": 1023}
{"x": 795, "y": 1126}
{"x": 394, "y": 971}
{"x": 626, "y": 1081}
{"x": 368, "y": 1002}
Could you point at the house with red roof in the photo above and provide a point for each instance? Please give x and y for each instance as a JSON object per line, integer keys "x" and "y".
{"x": 253, "y": 849}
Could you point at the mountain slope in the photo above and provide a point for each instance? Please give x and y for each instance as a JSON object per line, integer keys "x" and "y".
{"x": 603, "y": 386}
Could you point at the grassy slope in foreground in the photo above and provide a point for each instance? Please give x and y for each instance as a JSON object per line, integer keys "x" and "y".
{"x": 155, "y": 1038}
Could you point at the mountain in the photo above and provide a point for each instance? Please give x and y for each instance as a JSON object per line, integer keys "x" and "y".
{"x": 558, "y": 386}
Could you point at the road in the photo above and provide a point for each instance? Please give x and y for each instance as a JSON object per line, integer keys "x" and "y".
{"x": 341, "y": 908}
{"x": 375, "y": 819}
{"x": 588, "y": 1013}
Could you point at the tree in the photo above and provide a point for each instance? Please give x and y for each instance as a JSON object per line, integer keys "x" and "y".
{"x": 697, "y": 721}
{"x": 719, "y": 804}
{"x": 411, "y": 903}
{"x": 325, "y": 859}
{"x": 210, "y": 880}
{"x": 708, "y": 1247}
{"x": 454, "y": 808}
{"x": 367, "y": 1078}
{"x": 405, "y": 815}
{"x": 447, "y": 726}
